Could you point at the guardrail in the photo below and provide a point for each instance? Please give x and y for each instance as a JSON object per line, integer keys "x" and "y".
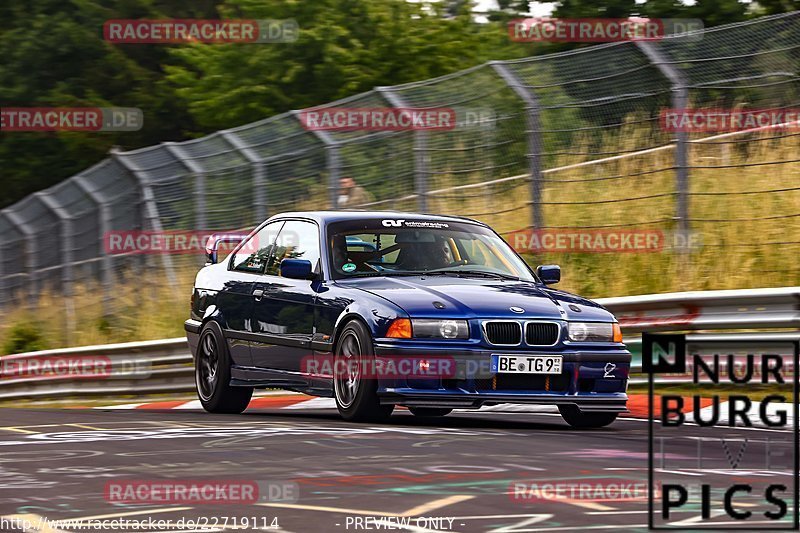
{"x": 164, "y": 366}
{"x": 130, "y": 368}
{"x": 702, "y": 310}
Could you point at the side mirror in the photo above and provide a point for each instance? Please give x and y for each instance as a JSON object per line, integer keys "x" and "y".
{"x": 213, "y": 242}
{"x": 549, "y": 274}
{"x": 296, "y": 269}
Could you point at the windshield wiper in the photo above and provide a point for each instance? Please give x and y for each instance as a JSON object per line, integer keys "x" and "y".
{"x": 478, "y": 273}
{"x": 385, "y": 273}
{"x": 445, "y": 272}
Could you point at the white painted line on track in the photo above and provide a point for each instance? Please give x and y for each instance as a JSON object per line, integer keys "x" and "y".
{"x": 121, "y": 406}
{"x": 194, "y": 404}
{"x": 314, "y": 403}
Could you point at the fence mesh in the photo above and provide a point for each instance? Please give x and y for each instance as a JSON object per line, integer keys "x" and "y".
{"x": 560, "y": 141}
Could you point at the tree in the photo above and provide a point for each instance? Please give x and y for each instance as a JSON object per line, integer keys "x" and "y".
{"x": 344, "y": 48}
{"x": 54, "y": 55}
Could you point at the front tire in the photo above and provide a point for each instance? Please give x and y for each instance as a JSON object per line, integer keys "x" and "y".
{"x": 212, "y": 374}
{"x": 355, "y": 393}
{"x": 575, "y": 418}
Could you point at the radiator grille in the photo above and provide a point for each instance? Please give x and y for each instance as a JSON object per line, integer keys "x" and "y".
{"x": 541, "y": 333}
{"x": 508, "y": 333}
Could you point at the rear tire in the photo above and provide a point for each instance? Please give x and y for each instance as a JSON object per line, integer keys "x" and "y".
{"x": 355, "y": 394}
{"x": 212, "y": 374}
{"x": 430, "y": 411}
{"x": 575, "y": 418}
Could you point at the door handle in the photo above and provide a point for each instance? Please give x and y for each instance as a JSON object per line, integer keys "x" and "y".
{"x": 258, "y": 294}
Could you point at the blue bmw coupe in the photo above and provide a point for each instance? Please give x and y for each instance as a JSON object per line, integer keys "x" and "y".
{"x": 378, "y": 309}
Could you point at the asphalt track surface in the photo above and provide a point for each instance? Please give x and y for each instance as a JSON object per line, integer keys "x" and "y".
{"x": 460, "y": 469}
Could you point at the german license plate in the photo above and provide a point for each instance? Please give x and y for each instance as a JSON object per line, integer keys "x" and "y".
{"x": 527, "y": 364}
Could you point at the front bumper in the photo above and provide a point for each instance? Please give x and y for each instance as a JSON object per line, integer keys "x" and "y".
{"x": 466, "y": 400}
{"x": 592, "y": 380}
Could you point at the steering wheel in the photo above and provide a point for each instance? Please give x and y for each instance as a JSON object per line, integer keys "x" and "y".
{"x": 460, "y": 262}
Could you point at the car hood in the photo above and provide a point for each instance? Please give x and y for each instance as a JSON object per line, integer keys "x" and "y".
{"x": 470, "y": 298}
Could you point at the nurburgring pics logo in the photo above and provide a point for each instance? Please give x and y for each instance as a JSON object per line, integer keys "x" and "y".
{"x": 176, "y": 31}
{"x": 71, "y": 119}
{"x": 378, "y": 118}
{"x": 736, "y": 480}
{"x": 727, "y": 120}
{"x": 601, "y": 30}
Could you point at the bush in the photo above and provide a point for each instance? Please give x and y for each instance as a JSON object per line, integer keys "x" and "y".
{"x": 24, "y": 337}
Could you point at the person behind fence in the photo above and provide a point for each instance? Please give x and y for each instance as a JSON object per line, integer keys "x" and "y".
{"x": 351, "y": 194}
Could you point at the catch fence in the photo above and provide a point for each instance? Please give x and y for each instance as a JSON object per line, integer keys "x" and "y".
{"x": 552, "y": 142}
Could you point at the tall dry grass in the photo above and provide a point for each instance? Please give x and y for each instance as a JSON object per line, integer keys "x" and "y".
{"x": 147, "y": 308}
{"x": 731, "y": 255}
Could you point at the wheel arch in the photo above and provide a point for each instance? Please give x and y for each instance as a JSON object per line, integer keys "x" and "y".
{"x": 214, "y": 314}
{"x": 374, "y": 313}
{"x": 342, "y": 322}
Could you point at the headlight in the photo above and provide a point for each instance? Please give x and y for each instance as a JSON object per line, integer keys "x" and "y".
{"x": 594, "y": 332}
{"x": 440, "y": 329}
{"x": 423, "y": 328}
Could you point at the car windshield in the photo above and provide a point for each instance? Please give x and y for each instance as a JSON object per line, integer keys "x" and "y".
{"x": 398, "y": 247}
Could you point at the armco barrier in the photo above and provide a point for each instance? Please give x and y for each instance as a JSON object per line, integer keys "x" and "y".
{"x": 164, "y": 366}
{"x": 156, "y": 366}
{"x": 693, "y": 311}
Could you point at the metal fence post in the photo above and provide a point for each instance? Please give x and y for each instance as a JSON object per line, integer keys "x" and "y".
{"x": 31, "y": 251}
{"x": 67, "y": 248}
{"x": 4, "y": 293}
{"x": 6, "y": 297}
{"x": 421, "y": 173}
{"x": 680, "y": 100}
{"x": 333, "y": 162}
{"x": 532, "y": 117}
{"x": 150, "y": 214}
{"x": 104, "y": 217}
{"x": 259, "y": 191}
{"x": 199, "y": 174}
{"x": 260, "y": 174}
{"x": 421, "y": 184}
